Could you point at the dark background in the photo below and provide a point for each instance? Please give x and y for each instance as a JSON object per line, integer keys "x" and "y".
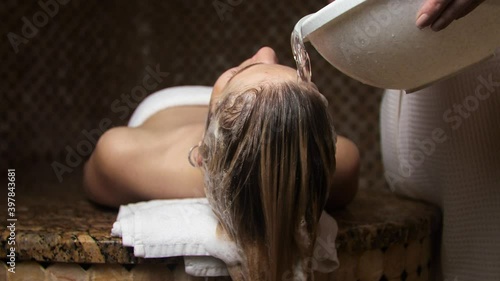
{"x": 65, "y": 78}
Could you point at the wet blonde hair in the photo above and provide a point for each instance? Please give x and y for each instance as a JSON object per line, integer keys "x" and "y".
{"x": 269, "y": 157}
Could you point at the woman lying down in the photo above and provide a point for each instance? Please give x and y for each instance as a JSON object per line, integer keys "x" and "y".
{"x": 263, "y": 151}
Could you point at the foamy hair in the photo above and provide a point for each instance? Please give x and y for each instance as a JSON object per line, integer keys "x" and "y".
{"x": 269, "y": 156}
{"x": 236, "y": 110}
{"x": 214, "y": 128}
{"x": 225, "y": 249}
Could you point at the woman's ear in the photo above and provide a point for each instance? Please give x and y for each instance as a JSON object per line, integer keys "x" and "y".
{"x": 198, "y": 157}
{"x": 199, "y": 160}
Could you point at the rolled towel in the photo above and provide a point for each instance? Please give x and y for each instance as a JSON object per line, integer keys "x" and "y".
{"x": 187, "y": 227}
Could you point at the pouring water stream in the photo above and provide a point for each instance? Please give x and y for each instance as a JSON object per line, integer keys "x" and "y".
{"x": 304, "y": 73}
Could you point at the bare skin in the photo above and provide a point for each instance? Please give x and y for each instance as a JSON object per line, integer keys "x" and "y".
{"x": 150, "y": 161}
{"x": 438, "y": 14}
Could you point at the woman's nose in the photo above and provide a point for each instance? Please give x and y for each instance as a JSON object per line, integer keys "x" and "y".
{"x": 266, "y": 55}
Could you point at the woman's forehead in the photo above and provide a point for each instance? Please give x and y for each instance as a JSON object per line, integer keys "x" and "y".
{"x": 261, "y": 73}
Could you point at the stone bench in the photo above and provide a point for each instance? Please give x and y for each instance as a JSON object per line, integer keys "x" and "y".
{"x": 60, "y": 234}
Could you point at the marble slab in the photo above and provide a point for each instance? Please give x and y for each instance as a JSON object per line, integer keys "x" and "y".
{"x": 56, "y": 223}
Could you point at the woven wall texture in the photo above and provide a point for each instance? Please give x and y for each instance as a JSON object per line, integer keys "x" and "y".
{"x": 67, "y": 63}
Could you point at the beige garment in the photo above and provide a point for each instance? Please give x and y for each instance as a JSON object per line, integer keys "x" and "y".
{"x": 442, "y": 144}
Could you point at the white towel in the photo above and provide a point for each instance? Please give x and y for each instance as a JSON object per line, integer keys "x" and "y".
{"x": 170, "y": 97}
{"x": 187, "y": 227}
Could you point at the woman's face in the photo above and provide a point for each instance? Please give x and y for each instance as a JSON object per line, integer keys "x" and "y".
{"x": 263, "y": 66}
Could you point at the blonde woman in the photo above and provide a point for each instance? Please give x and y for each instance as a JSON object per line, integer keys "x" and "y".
{"x": 259, "y": 145}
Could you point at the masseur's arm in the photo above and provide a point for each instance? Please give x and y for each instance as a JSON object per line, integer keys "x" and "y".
{"x": 346, "y": 177}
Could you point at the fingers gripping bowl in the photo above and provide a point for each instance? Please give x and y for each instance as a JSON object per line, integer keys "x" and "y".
{"x": 378, "y": 43}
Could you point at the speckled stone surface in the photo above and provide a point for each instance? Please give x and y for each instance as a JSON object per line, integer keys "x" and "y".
{"x": 378, "y": 219}
{"x": 56, "y": 223}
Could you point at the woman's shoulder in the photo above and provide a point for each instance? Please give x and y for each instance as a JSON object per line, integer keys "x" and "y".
{"x": 133, "y": 164}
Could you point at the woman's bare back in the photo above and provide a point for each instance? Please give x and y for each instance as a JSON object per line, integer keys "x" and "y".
{"x": 150, "y": 161}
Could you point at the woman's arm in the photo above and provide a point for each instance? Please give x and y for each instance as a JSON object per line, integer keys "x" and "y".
{"x": 346, "y": 177}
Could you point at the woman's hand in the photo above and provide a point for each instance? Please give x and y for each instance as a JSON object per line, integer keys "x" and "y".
{"x": 438, "y": 14}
